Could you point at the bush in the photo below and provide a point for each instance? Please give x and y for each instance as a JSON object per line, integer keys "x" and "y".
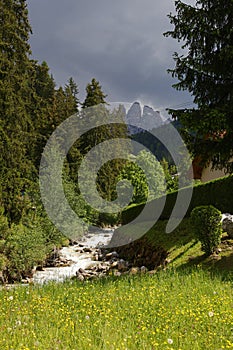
{"x": 214, "y": 193}
{"x": 108, "y": 219}
{"x": 25, "y": 248}
{"x": 206, "y": 221}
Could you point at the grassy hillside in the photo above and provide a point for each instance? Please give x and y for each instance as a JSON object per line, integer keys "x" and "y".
{"x": 185, "y": 305}
{"x": 216, "y": 193}
{"x": 183, "y": 250}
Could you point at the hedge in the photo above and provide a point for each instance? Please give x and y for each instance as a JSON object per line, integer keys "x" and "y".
{"x": 207, "y": 227}
{"x": 218, "y": 193}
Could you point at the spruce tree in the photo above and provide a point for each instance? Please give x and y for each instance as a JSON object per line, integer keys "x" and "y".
{"x": 205, "y": 69}
{"x": 42, "y": 109}
{"x": 16, "y": 170}
{"x": 95, "y": 95}
{"x": 71, "y": 93}
{"x": 65, "y": 103}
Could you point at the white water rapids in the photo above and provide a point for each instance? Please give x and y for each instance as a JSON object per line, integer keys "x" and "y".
{"x": 79, "y": 260}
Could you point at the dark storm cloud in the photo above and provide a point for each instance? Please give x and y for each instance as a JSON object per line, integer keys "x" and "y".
{"x": 120, "y": 43}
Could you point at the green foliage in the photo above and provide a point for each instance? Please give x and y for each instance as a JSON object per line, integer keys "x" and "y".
{"x": 25, "y": 248}
{"x": 3, "y": 265}
{"x": 31, "y": 107}
{"x": 214, "y": 193}
{"x": 3, "y": 224}
{"x": 71, "y": 93}
{"x": 77, "y": 203}
{"x": 146, "y": 176}
{"x": 133, "y": 173}
{"x": 95, "y": 95}
{"x": 22, "y": 246}
{"x": 108, "y": 219}
{"x": 206, "y": 221}
{"x": 205, "y": 69}
{"x": 41, "y": 109}
{"x": 153, "y": 172}
{"x": 107, "y": 173}
{"x": 4, "y": 229}
{"x": 171, "y": 177}
{"x": 16, "y": 169}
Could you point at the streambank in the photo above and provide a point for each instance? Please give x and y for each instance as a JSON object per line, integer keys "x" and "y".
{"x": 91, "y": 258}
{"x": 81, "y": 255}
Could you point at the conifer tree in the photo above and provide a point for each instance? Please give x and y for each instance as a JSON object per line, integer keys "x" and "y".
{"x": 66, "y": 102}
{"x": 71, "y": 93}
{"x": 16, "y": 170}
{"x": 95, "y": 95}
{"x": 42, "y": 108}
{"x": 205, "y": 69}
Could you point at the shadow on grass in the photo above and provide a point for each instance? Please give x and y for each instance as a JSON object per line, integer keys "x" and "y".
{"x": 181, "y": 247}
{"x": 157, "y": 235}
{"x": 216, "y": 265}
{"x": 192, "y": 260}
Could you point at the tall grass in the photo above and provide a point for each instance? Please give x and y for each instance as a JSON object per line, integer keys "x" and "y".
{"x": 168, "y": 310}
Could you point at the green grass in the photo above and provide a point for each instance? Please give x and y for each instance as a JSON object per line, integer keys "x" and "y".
{"x": 186, "y": 306}
{"x": 190, "y": 310}
{"x": 184, "y": 250}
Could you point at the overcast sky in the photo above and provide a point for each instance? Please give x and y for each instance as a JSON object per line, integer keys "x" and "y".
{"x": 120, "y": 43}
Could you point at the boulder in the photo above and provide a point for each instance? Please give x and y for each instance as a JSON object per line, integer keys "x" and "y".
{"x": 227, "y": 224}
{"x": 111, "y": 255}
{"x": 95, "y": 257}
{"x": 143, "y": 269}
{"x": 114, "y": 265}
{"x": 79, "y": 250}
{"x": 117, "y": 273}
{"x": 82, "y": 271}
{"x": 134, "y": 270}
{"x": 102, "y": 268}
{"x": 122, "y": 265}
{"x": 87, "y": 250}
{"x": 115, "y": 255}
{"x": 80, "y": 277}
{"x": 142, "y": 253}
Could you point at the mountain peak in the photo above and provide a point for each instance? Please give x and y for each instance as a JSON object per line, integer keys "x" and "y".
{"x": 145, "y": 118}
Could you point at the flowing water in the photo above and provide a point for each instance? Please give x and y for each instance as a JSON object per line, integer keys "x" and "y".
{"x": 79, "y": 260}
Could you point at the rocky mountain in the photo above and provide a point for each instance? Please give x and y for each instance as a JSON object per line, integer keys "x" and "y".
{"x": 145, "y": 118}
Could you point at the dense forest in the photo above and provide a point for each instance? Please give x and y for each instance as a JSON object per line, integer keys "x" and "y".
{"x": 32, "y": 106}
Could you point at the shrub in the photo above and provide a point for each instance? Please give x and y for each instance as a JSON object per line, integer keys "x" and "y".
{"x": 108, "y": 219}
{"x": 25, "y": 248}
{"x": 206, "y": 221}
{"x": 214, "y": 193}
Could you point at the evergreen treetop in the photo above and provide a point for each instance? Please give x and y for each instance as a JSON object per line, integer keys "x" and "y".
{"x": 205, "y": 69}
{"x": 95, "y": 95}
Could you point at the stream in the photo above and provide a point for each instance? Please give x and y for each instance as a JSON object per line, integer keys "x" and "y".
{"x": 78, "y": 259}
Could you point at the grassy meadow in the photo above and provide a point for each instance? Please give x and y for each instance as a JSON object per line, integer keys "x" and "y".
{"x": 168, "y": 310}
{"x": 189, "y": 305}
